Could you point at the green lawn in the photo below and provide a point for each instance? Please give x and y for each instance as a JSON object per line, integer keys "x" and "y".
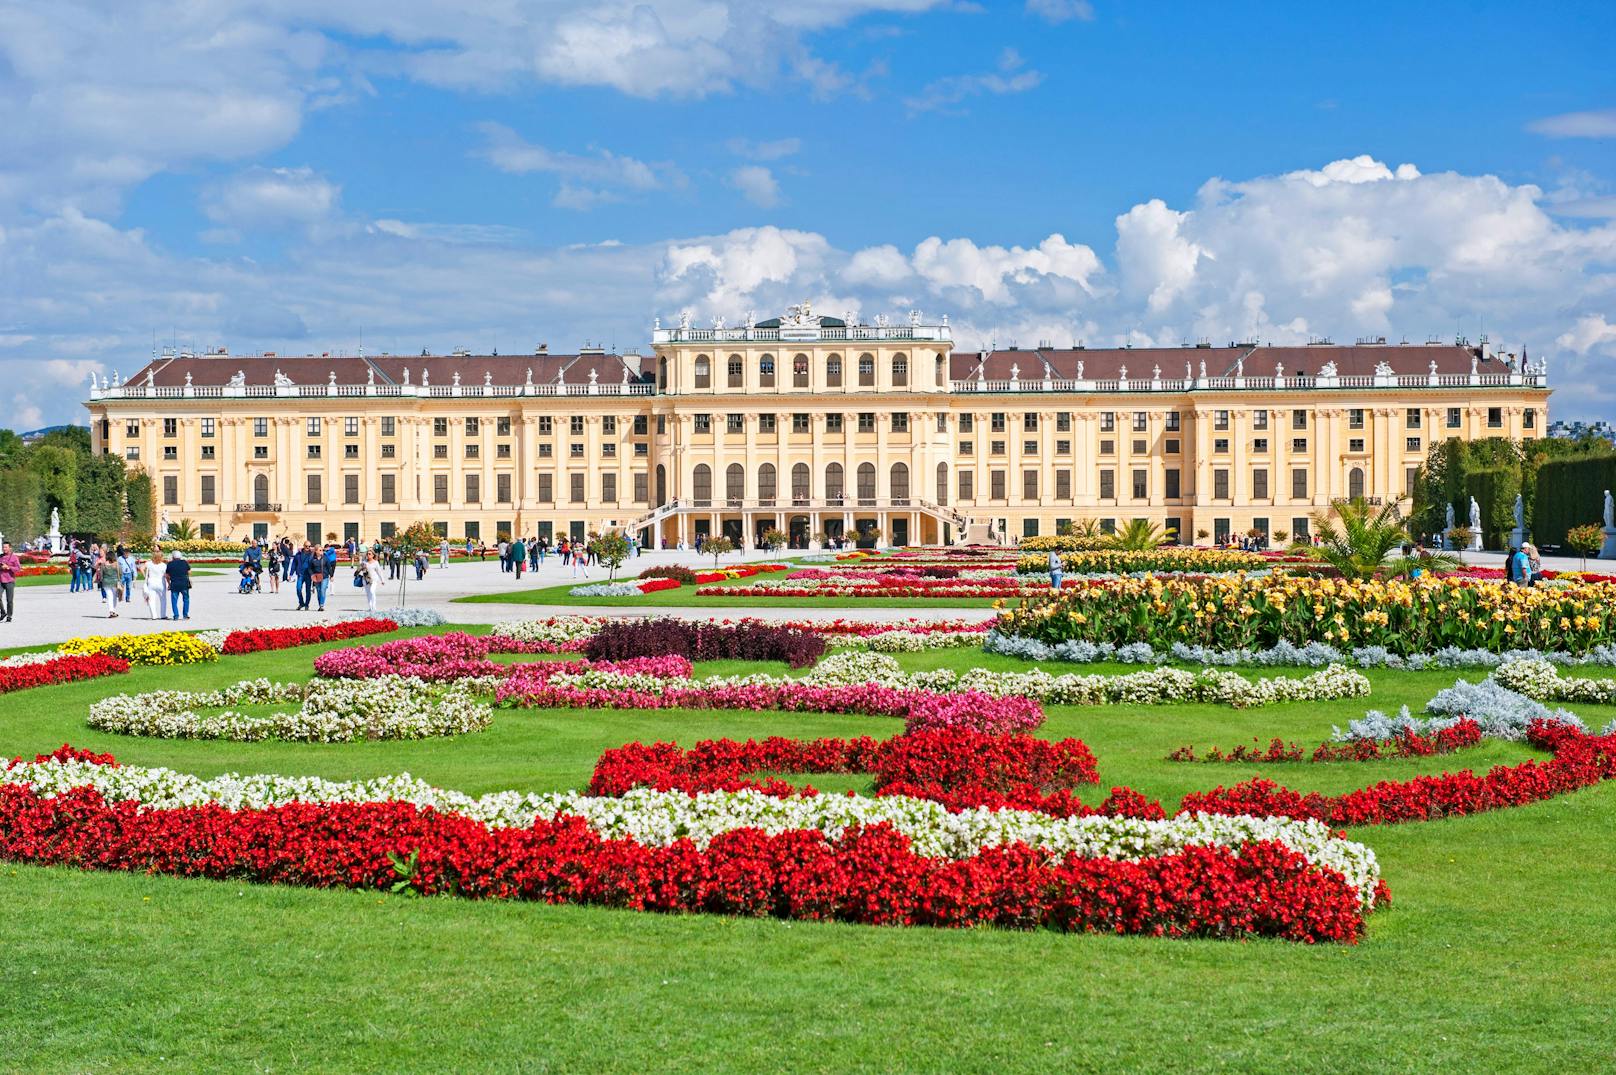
{"x": 1496, "y": 954}
{"x": 63, "y": 580}
{"x": 685, "y": 597}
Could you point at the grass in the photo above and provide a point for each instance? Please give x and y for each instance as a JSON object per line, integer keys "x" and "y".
{"x": 685, "y": 597}
{"x": 1497, "y": 945}
{"x": 64, "y": 580}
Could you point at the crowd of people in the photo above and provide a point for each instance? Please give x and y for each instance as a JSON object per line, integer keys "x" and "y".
{"x": 120, "y": 577}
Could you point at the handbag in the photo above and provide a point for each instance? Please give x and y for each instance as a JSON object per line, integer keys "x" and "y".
{"x": 358, "y": 580}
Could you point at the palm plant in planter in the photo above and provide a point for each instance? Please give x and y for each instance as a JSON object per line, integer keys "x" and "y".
{"x": 1358, "y": 537}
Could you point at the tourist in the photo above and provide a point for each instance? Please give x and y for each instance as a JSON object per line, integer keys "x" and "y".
{"x": 155, "y": 575}
{"x": 579, "y": 559}
{"x": 543, "y": 546}
{"x": 1534, "y": 564}
{"x": 1056, "y": 569}
{"x": 443, "y": 553}
{"x": 10, "y": 564}
{"x": 372, "y": 576}
{"x": 178, "y": 577}
{"x": 504, "y": 556}
{"x": 420, "y": 564}
{"x": 128, "y": 568}
{"x": 518, "y": 558}
{"x": 302, "y": 570}
{"x": 533, "y": 553}
{"x": 325, "y": 566}
{"x": 275, "y": 568}
{"x": 109, "y": 577}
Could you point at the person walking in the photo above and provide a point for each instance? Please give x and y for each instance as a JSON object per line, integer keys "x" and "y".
{"x": 274, "y": 568}
{"x": 543, "y": 545}
{"x": 372, "y": 575}
{"x": 154, "y": 576}
{"x": 580, "y": 560}
{"x": 109, "y": 577}
{"x": 178, "y": 576}
{"x": 302, "y": 570}
{"x": 324, "y": 567}
{"x": 443, "y": 552}
{"x": 128, "y": 568}
{"x": 10, "y": 564}
{"x": 518, "y": 558}
{"x": 1056, "y": 570}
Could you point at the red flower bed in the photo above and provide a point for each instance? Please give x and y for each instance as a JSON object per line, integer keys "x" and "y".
{"x": 957, "y": 767}
{"x": 1579, "y": 761}
{"x": 19, "y": 677}
{"x": 653, "y": 585}
{"x": 867, "y": 875}
{"x": 268, "y": 638}
{"x": 41, "y": 569}
{"x": 1466, "y": 733}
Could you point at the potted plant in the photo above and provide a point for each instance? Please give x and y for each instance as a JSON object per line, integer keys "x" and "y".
{"x": 1585, "y": 540}
{"x": 774, "y": 539}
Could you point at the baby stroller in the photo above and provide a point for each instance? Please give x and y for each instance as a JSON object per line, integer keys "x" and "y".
{"x": 248, "y": 580}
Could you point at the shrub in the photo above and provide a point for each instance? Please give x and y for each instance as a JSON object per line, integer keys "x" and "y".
{"x": 684, "y": 575}
{"x": 622, "y": 640}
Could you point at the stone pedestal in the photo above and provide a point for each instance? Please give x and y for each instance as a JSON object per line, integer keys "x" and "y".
{"x": 1475, "y": 541}
{"x": 1517, "y": 538}
{"x": 1609, "y": 551}
{"x": 1447, "y": 542}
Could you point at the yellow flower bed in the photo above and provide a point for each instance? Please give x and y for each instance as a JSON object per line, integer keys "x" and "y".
{"x": 1166, "y": 559}
{"x": 162, "y": 648}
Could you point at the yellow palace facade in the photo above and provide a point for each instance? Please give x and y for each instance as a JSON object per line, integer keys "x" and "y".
{"x": 813, "y": 425}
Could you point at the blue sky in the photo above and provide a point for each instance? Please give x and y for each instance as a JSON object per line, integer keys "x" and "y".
{"x": 297, "y": 176}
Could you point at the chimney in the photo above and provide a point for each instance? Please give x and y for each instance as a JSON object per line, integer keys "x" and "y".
{"x": 542, "y": 349}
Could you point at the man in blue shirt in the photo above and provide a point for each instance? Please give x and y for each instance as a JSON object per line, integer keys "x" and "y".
{"x": 178, "y": 574}
{"x": 302, "y": 569}
{"x": 1520, "y": 568}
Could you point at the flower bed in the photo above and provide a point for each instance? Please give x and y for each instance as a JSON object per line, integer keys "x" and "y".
{"x": 560, "y": 634}
{"x": 1166, "y": 560}
{"x": 332, "y": 711}
{"x": 1416, "y": 616}
{"x": 752, "y": 641}
{"x": 271, "y": 638}
{"x": 57, "y": 669}
{"x": 813, "y": 583}
{"x": 878, "y": 861}
{"x": 456, "y": 655}
{"x": 1283, "y": 654}
{"x": 36, "y": 570}
{"x": 159, "y": 648}
{"x": 1407, "y": 744}
{"x": 1542, "y": 681}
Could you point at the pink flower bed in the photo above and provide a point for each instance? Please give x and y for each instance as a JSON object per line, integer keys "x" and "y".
{"x": 460, "y": 656}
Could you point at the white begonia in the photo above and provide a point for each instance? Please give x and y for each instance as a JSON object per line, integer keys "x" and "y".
{"x": 659, "y": 818}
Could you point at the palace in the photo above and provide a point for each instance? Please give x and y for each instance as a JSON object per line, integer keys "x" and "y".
{"x": 814, "y": 425}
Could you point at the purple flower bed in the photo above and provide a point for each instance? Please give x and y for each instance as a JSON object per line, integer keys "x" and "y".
{"x": 626, "y": 639}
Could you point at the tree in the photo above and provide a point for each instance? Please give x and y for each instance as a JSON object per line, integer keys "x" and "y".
{"x": 1359, "y": 538}
{"x": 1586, "y": 540}
{"x": 1203, "y": 533}
{"x": 774, "y": 539}
{"x": 612, "y": 549}
{"x": 1460, "y": 536}
{"x": 1139, "y": 535}
{"x": 872, "y": 534}
{"x": 716, "y": 547}
{"x": 1281, "y": 535}
{"x": 141, "y": 497}
{"x": 182, "y": 530}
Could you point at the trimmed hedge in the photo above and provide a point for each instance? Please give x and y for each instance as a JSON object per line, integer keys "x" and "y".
{"x": 1571, "y": 492}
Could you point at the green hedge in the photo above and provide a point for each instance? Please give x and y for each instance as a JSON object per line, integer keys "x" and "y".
{"x": 1495, "y": 489}
{"x": 1571, "y": 492}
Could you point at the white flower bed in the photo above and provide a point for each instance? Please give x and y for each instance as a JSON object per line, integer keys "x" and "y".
{"x": 900, "y": 641}
{"x": 607, "y": 589}
{"x": 332, "y": 711}
{"x": 557, "y": 631}
{"x": 659, "y": 818}
{"x": 1313, "y": 655}
{"x": 1541, "y": 680}
{"x": 30, "y": 658}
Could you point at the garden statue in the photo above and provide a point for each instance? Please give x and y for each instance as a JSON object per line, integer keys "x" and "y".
{"x": 1610, "y": 512}
{"x": 1520, "y": 512}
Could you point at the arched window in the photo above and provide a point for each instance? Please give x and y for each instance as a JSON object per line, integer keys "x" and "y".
{"x": 866, "y": 370}
{"x": 799, "y": 371}
{"x": 942, "y": 483}
{"x": 1355, "y": 483}
{"x": 833, "y": 482}
{"x": 766, "y": 482}
{"x": 942, "y": 372}
{"x": 766, "y": 371}
{"x": 662, "y": 374}
{"x": 898, "y": 481}
{"x": 261, "y": 492}
{"x": 866, "y": 481}
{"x": 661, "y": 485}
{"x": 701, "y": 483}
{"x": 799, "y": 482}
{"x": 737, "y": 371}
{"x": 900, "y": 369}
{"x": 704, "y": 372}
{"x": 735, "y": 482}
{"x": 833, "y": 371}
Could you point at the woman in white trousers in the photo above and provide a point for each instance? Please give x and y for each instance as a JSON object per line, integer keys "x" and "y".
{"x": 373, "y": 580}
{"x": 153, "y": 574}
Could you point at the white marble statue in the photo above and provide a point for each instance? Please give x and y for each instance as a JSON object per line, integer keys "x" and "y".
{"x": 238, "y": 379}
{"x": 56, "y": 518}
{"x": 1520, "y": 512}
{"x": 282, "y": 381}
{"x": 1610, "y": 512}
{"x": 1475, "y": 516}
{"x": 1450, "y": 516}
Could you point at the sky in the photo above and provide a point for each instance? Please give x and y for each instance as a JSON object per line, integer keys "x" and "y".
{"x": 308, "y": 177}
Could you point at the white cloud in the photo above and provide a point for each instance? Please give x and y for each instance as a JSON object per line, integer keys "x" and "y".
{"x": 1155, "y": 260}
{"x": 586, "y": 181}
{"x": 757, "y": 184}
{"x": 270, "y": 197}
{"x": 997, "y": 274}
{"x": 878, "y": 266}
{"x": 1600, "y": 123}
{"x": 764, "y": 151}
{"x": 1590, "y": 332}
{"x": 942, "y": 93}
{"x": 1061, "y": 10}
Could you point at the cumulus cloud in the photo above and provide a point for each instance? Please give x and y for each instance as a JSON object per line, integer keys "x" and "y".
{"x": 1600, "y": 123}
{"x": 586, "y": 181}
{"x": 1012, "y": 76}
{"x": 1061, "y": 10}
{"x": 271, "y": 197}
{"x": 1589, "y": 333}
{"x": 757, "y": 185}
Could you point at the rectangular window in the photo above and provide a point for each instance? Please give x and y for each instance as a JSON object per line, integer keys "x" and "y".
{"x": 546, "y": 451}
{"x": 132, "y": 429}
{"x": 1029, "y": 447}
{"x": 170, "y": 452}
{"x": 207, "y": 427}
{"x": 1170, "y": 480}
{"x": 1141, "y": 484}
{"x": 1298, "y": 444}
{"x": 800, "y": 423}
{"x": 942, "y": 423}
{"x": 1029, "y": 423}
{"x": 1029, "y": 527}
{"x": 350, "y": 427}
{"x": 608, "y": 451}
{"x": 1063, "y": 447}
{"x": 1063, "y": 485}
{"x": 207, "y": 451}
{"x": 1140, "y": 447}
{"x": 1108, "y": 484}
{"x": 473, "y": 450}
{"x": 389, "y": 529}
{"x": 996, "y": 485}
{"x": 1063, "y": 421}
{"x": 473, "y": 427}
{"x": 1495, "y": 417}
{"x": 1455, "y": 417}
{"x": 171, "y": 426}
{"x": 1413, "y": 444}
{"x": 799, "y": 372}
{"x": 208, "y": 532}
{"x": 996, "y": 447}
{"x": 260, "y": 427}
{"x": 1220, "y": 484}
{"x": 576, "y": 424}
{"x": 1411, "y": 478}
{"x": 1298, "y": 419}
{"x": 260, "y": 451}
{"x": 502, "y": 427}
{"x": 576, "y": 492}
{"x": 440, "y": 427}
{"x": 966, "y": 423}
{"x": 546, "y": 489}
{"x": 866, "y": 370}
{"x": 546, "y": 426}
{"x": 996, "y": 422}
{"x": 440, "y": 451}
{"x": 502, "y": 451}
{"x": 1220, "y": 420}
{"x": 1170, "y": 447}
{"x": 704, "y": 423}
{"x": 833, "y": 371}
{"x": 1412, "y": 418}
{"x": 966, "y": 447}
{"x": 350, "y": 451}
{"x": 1355, "y": 444}
{"x": 1173, "y": 421}
{"x": 866, "y": 422}
{"x": 1221, "y": 445}
{"x": 736, "y": 372}
{"x": 1259, "y": 483}
{"x": 1529, "y": 419}
{"x": 314, "y": 427}
{"x": 641, "y": 426}
{"x": 608, "y": 488}
{"x": 1299, "y": 528}
{"x": 440, "y": 488}
{"x": 1108, "y": 421}
{"x": 389, "y": 489}
{"x": 207, "y": 489}
{"x": 575, "y": 451}
{"x": 314, "y": 451}
{"x": 735, "y": 423}
{"x": 1299, "y": 483}
{"x": 766, "y": 423}
{"x": 1259, "y": 444}
{"x": 1029, "y": 486}
{"x": 967, "y": 485}
{"x": 350, "y": 488}
{"x": 1141, "y": 421}
{"x": 171, "y": 489}
{"x": 314, "y": 489}
{"x": 1259, "y": 419}
{"x": 900, "y": 421}
{"x": 502, "y": 488}
{"x": 642, "y": 487}
{"x": 389, "y": 426}
{"x": 833, "y": 423}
